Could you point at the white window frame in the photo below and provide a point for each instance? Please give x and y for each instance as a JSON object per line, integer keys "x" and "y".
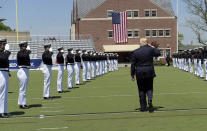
{"x": 164, "y": 49}
{"x": 149, "y": 13}
{"x": 128, "y": 33}
{"x": 138, "y": 14}
{"x": 131, "y": 13}
{"x": 153, "y": 10}
{"x": 112, "y": 34}
{"x": 138, "y": 33}
{"x": 150, "y": 32}
{"x": 159, "y": 33}
{"x": 165, "y": 32}
{"x": 163, "y": 52}
{"x": 108, "y": 13}
{"x": 156, "y": 33}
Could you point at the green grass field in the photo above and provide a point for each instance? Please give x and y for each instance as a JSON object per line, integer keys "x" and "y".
{"x": 109, "y": 102}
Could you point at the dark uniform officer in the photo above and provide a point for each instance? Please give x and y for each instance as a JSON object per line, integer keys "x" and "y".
{"x": 168, "y": 60}
{"x": 23, "y": 60}
{"x": 142, "y": 66}
{"x": 47, "y": 70}
{"x": 4, "y": 78}
{"x": 70, "y": 61}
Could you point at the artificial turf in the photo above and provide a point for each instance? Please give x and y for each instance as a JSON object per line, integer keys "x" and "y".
{"x": 109, "y": 103}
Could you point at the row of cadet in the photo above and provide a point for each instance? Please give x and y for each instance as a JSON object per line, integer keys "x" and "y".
{"x": 193, "y": 61}
{"x": 93, "y": 63}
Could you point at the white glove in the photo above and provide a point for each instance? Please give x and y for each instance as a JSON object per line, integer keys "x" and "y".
{"x": 50, "y": 49}
{"x": 7, "y": 47}
{"x": 28, "y": 48}
{"x": 73, "y": 52}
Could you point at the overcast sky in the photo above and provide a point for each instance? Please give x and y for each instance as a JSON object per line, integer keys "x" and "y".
{"x": 52, "y": 17}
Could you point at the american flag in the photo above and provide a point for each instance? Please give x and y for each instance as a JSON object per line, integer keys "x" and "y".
{"x": 119, "y": 21}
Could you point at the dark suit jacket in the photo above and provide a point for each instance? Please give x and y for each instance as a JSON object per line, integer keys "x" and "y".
{"x": 142, "y": 62}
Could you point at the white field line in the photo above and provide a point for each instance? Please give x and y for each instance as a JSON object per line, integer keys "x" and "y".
{"x": 52, "y": 111}
{"x": 48, "y": 107}
{"x": 110, "y": 113}
{"x": 187, "y": 93}
{"x": 53, "y": 128}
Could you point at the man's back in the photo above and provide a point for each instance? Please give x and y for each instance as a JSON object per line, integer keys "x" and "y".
{"x": 142, "y": 62}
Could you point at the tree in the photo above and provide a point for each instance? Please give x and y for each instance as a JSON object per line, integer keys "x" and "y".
{"x": 198, "y": 23}
{"x": 4, "y": 27}
{"x": 180, "y": 39}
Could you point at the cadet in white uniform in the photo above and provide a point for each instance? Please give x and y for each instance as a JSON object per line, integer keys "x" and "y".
{"x": 47, "y": 70}
{"x": 89, "y": 66}
{"x": 97, "y": 64}
{"x": 85, "y": 59}
{"x": 60, "y": 62}
{"x": 23, "y": 60}
{"x": 93, "y": 65}
{"x": 77, "y": 66}
{"x": 4, "y": 78}
{"x": 70, "y": 61}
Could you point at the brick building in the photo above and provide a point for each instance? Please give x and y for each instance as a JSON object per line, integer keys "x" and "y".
{"x": 153, "y": 19}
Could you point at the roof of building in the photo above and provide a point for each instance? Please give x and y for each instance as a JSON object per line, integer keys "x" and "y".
{"x": 85, "y": 6}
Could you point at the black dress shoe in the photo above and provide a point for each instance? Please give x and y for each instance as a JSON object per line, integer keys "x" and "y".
{"x": 47, "y": 98}
{"x": 4, "y": 115}
{"x": 151, "y": 108}
{"x": 143, "y": 110}
{"x": 60, "y": 91}
{"x": 24, "y": 107}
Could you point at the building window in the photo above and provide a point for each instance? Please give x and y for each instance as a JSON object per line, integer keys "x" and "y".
{"x": 136, "y": 13}
{"x": 109, "y": 13}
{"x": 147, "y": 13}
{"x": 154, "y": 13}
{"x": 168, "y": 52}
{"x": 167, "y": 32}
{"x": 154, "y": 33}
{"x": 110, "y": 34}
{"x": 130, "y": 34}
{"x": 129, "y": 13}
{"x": 147, "y": 33}
{"x": 136, "y": 33}
{"x": 162, "y": 53}
{"x": 161, "y": 33}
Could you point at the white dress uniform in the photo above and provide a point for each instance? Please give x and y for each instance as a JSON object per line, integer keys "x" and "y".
{"x": 4, "y": 78}
{"x": 103, "y": 65}
{"x": 77, "y": 68}
{"x": 97, "y": 64}
{"x": 23, "y": 60}
{"x": 70, "y": 60}
{"x": 47, "y": 71}
{"x": 205, "y": 66}
{"x": 85, "y": 60}
{"x": 100, "y": 66}
{"x": 93, "y": 65}
{"x": 60, "y": 62}
{"x": 191, "y": 65}
{"x": 105, "y": 62}
{"x": 89, "y": 69}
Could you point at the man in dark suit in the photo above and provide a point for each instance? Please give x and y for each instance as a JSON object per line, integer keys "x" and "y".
{"x": 142, "y": 66}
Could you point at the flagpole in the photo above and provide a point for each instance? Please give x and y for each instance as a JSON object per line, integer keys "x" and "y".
{"x": 17, "y": 22}
{"x": 177, "y": 8}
